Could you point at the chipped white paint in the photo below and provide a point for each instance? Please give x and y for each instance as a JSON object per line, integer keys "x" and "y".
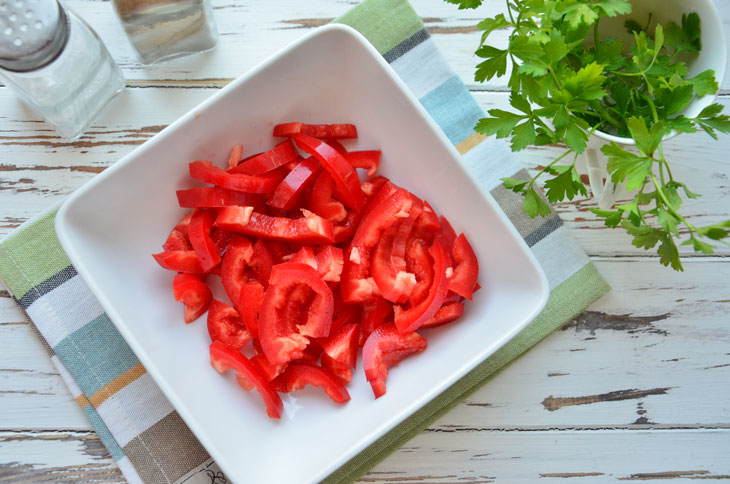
{"x": 621, "y": 394}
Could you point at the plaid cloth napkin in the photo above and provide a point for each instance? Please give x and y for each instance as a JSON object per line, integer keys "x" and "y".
{"x": 143, "y": 433}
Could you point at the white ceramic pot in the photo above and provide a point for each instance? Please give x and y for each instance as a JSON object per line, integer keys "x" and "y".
{"x": 712, "y": 56}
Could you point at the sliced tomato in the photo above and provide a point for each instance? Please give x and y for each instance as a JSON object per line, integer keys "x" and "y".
{"x": 205, "y": 172}
{"x": 466, "y": 268}
{"x": 238, "y": 255}
{"x": 267, "y": 161}
{"x": 179, "y": 261}
{"x": 298, "y": 375}
{"x": 193, "y": 293}
{"x": 224, "y": 325}
{"x": 294, "y": 184}
{"x": 335, "y": 131}
{"x": 384, "y": 348}
{"x": 310, "y": 228}
{"x": 224, "y": 357}
{"x": 207, "y": 197}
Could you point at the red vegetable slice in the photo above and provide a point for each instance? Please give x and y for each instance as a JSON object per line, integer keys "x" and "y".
{"x": 466, "y": 268}
{"x": 335, "y": 131}
{"x": 340, "y": 351}
{"x": 267, "y": 161}
{"x": 446, "y": 236}
{"x": 205, "y": 172}
{"x": 297, "y": 375}
{"x": 408, "y": 320}
{"x": 179, "y": 261}
{"x": 178, "y": 238}
{"x": 329, "y": 263}
{"x": 235, "y": 157}
{"x": 342, "y": 172}
{"x": 268, "y": 370}
{"x": 191, "y": 291}
{"x": 225, "y": 325}
{"x": 305, "y": 256}
{"x": 321, "y": 201}
{"x": 375, "y": 312}
{"x": 384, "y": 348}
{"x": 261, "y": 262}
{"x": 293, "y": 185}
{"x": 310, "y": 228}
{"x": 369, "y": 160}
{"x": 201, "y": 225}
{"x": 250, "y": 301}
{"x": 238, "y": 254}
{"x": 420, "y": 263}
{"x": 446, "y": 314}
{"x": 224, "y": 357}
{"x": 207, "y": 197}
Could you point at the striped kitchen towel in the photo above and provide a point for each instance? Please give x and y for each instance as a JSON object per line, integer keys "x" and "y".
{"x": 138, "y": 425}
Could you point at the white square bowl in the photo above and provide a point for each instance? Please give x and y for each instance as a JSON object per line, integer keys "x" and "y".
{"x": 110, "y": 227}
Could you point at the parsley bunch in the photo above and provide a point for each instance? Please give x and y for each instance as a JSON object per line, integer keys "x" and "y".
{"x": 567, "y": 82}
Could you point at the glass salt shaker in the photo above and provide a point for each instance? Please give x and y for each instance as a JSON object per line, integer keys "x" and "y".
{"x": 56, "y": 63}
{"x": 161, "y": 30}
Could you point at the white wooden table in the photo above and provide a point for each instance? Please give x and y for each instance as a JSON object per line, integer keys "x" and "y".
{"x": 637, "y": 388}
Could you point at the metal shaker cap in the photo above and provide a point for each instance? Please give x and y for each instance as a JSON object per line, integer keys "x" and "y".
{"x": 32, "y": 33}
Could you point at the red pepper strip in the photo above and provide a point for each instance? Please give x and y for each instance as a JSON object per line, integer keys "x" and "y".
{"x": 221, "y": 238}
{"x": 375, "y": 312}
{"x": 336, "y": 131}
{"x": 298, "y": 375}
{"x": 356, "y": 283}
{"x": 225, "y": 325}
{"x": 207, "y": 197}
{"x": 342, "y": 172}
{"x": 267, "y": 161}
{"x": 278, "y": 338}
{"x": 329, "y": 263}
{"x": 179, "y": 261}
{"x": 452, "y": 297}
{"x": 311, "y": 353}
{"x": 321, "y": 202}
{"x": 408, "y": 320}
{"x": 261, "y": 262}
{"x": 466, "y": 268}
{"x": 342, "y": 345}
{"x": 318, "y": 318}
{"x": 288, "y": 191}
{"x": 393, "y": 282}
{"x": 192, "y": 292}
{"x": 235, "y": 157}
{"x": 178, "y": 238}
{"x": 268, "y": 370}
{"x": 344, "y": 314}
{"x": 384, "y": 348}
{"x": 207, "y": 173}
{"x": 337, "y": 146}
{"x": 223, "y": 357}
{"x": 237, "y": 255}
{"x": 369, "y": 160}
{"x": 446, "y": 314}
{"x": 446, "y": 236}
{"x": 427, "y": 225}
{"x": 200, "y": 226}
{"x": 341, "y": 371}
{"x": 280, "y": 251}
{"x": 344, "y": 230}
{"x": 305, "y": 256}
{"x": 310, "y": 228}
{"x": 419, "y": 262}
{"x": 250, "y": 300}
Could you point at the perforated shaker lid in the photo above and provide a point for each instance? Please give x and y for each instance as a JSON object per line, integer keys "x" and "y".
{"x": 32, "y": 33}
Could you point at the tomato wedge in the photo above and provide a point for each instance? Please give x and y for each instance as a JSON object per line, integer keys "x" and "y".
{"x": 466, "y": 268}
{"x": 335, "y": 131}
{"x": 193, "y": 293}
{"x": 384, "y": 348}
{"x": 297, "y": 375}
{"x": 225, "y": 325}
{"x": 224, "y": 357}
{"x": 342, "y": 172}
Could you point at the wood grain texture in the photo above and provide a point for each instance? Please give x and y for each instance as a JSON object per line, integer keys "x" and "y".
{"x": 634, "y": 389}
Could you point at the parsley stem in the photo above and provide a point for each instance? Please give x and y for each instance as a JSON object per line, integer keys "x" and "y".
{"x": 509, "y": 12}
{"x": 534, "y": 179}
{"x": 671, "y": 209}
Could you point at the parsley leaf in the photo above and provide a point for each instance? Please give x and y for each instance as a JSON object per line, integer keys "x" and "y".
{"x": 501, "y": 123}
{"x": 534, "y": 205}
{"x": 463, "y": 4}
{"x": 566, "y": 185}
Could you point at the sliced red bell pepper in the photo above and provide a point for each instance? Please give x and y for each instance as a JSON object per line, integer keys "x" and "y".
{"x": 466, "y": 268}
{"x": 343, "y": 313}
{"x": 281, "y": 251}
{"x": 191, "y": 291}
{"x": 221, "y": 238}
{"x": 342, "y": 172}
{"x": 250, "y": 300}
{"x": 237, "y": 255}
{"x": 446, "y": 236}
{"x": 344, "y": 230}
{"x": 297, "y": 375}
{"x": 336, "y": 145}
{"x": 261, "y": 262}
{"x": 310, "y": 228}
{"x": 178, "y": 238}
{"x": 408, "y": 320}
{"x": 334, "y": 131}
{"x": 340, "y": 351}
{"x": 179, "y": 261}
{"x": 224, "y": 357}
{"x": 207, "y": 197}
{"x": 235, "y": 157}
{"x": 369, "y": 160}
{"x": 311, "y": 353}
{"x": 293, "y": 185}
{"x": 200, "y": 226}
{"x": 329, "y": 263}
{"x": 356, "y": 283}
{"x": 305, "y": 255}
{"x": 446, "y": 314}
{"x": 384, "y": 348}
{"x": 224, "y": 324}
{"x": 427, "y": 224}
{"x": 320, "y": 199}
{"x": 393, "y": 281}
{"x": 207, "y": 173}
{"x": 267, "y": 161}
{"x": 268, "y": 370}
{"x": 283, "y": 338}
{"x": 375, "y": 312}
{"x": 420, "y": 263}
